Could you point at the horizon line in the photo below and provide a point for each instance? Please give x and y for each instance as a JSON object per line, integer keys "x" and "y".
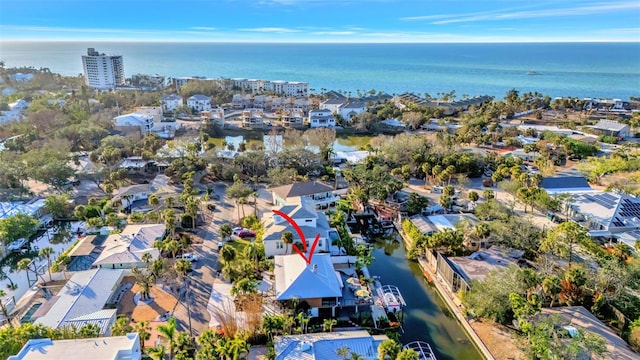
{"x": 173, "y": 41}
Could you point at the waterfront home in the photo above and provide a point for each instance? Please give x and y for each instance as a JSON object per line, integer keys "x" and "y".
{"x": 129, "y": 195}
{"x": 154, "y": 111}
{"x": 332, "y": 104}
{"x": 125, "y": 347}
{"x": 323, "y": 195}
{"x": 351, "y": 109}
{"x": 242, "y": 101}
{"x": 611, "y": 128}
{"x": 311, "y": 223}
{"x": 479, "y": 264}
{"x": 431, "y": 224}
{"x": 318, "y": 283}
{"x": 82, "y": 301}
{"x": 133, "y": 123}
{"x": 321, "y": 118}
{"x": 199, "y": 102}
{"x": 325, "y": 346}
{"x": 291, "y": 117}
{"x": 574, "y": 318}
{"x": 124, "y": 250}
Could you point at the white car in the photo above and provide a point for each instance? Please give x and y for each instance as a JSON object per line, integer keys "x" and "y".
{"x": 190, "y": 257}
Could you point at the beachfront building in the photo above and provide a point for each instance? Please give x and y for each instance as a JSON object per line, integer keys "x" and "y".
{"x": 125, "y": 249}
{"x": 171, "y": 102}
{"x": 278, "y": 87}
{"x": 125, "y": 347}
{"x": 199, "y": 102}
{"x": 147, "y": 82}
{"x": 321, "y": 118}
{"x": 102, "y": 71}
{"x": 82, "y": 301}
{"x": 215, "y": 115}
{"x": 311, "y": 222}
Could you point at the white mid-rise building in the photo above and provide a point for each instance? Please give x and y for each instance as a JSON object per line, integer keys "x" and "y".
{"x": 321, "y": 118}
{"x": 278, "y": 87}
{"x": 171, "y": 102}
{"x": 103, "y": 71}
{"x": 199, "y": 102}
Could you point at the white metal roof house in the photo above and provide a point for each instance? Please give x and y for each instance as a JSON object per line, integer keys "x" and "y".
{"x": 311, "y": 223}
{"x": 125, "y": 347}
{"x": 171, "y": 102}
{"x": 317, "y": 283}
{"x": 612, "y": 128}
{"x": 324, "y": 346}
{"x": 321, "y": 118}
{"x": 134, "y": 121}
{"x": 125, "y": 250}
{"x": 351, "y": 109}
{"x": 82, "y": 300}
{"x": 199, "y": 102}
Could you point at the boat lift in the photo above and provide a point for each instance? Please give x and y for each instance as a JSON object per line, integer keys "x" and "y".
{"x": 423, "y": 349}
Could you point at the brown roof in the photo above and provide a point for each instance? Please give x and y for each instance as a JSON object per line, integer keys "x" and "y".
{"x": 581, "y": 318}
{"x": 301, "y": 189}
{"x": 84, "y": 247}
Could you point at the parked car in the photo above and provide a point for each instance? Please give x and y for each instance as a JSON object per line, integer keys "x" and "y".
{"x": 220, "y": 245}
{"x": 190, "y": 257}
{"x": 237, "y": 230}
{"x": 245, "y": 233}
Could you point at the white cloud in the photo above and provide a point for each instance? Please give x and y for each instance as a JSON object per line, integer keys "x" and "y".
{"x": 204, "y": 28}
{"x": 271, "y": 30}
{"x": 508, "y": 14}
{"x": 333, "y": 33}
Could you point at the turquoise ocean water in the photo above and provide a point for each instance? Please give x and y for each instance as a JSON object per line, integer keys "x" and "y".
{"x": 563, "y": 69}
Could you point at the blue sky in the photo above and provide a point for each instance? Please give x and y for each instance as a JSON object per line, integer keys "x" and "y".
{"x": 321, "y": 20}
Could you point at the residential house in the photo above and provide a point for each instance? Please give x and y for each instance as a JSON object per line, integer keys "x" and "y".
{"x": 148, "y": 82}
{"x": 318, "y": 283}
{"x": 557, "y": 185}
{"x": 574, "y": 318}
{"x": 154, "y": 111}
{"x": 134, "y": 123}
{"x": 325, "y": 346}
{"x": 303, "y": 104}
{"x": 477, "y": 265}
{"x": 612, "y": 128}
{"x": 125, "y": 347}
{"x": 281, "y": 103}
{"x": 323, "y": 195}
{"x": 291, "y": 117}
{"x": 311, "y": 222}
{"x": 321, "y": 118}
{"x": 606, "y": 214}
{"x": 215, "y": 115}
{"x": 171, "y": 102}
{"x": 242, "y": 101}
{"x": 351, "y": 109}
{"x": 199, "y": 102}
{"x": 431, "y": 224}
{"x": 129, "y": 195}
{"x": 332, "y": 104}
{"x": 252, "y": 118}
{"x": 125, "y": 250}
{"x": 82, "y": 301}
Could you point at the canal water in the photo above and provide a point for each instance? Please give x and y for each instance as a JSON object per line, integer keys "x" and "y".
{"x": 426, "y": 317}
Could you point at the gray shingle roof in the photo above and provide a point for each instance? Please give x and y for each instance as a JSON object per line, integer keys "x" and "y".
{"x": 564, "y": 182}
{"x": 301, "y": 189}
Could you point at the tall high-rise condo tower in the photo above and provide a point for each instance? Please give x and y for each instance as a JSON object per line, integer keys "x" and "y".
{"x": 102, "y": 71}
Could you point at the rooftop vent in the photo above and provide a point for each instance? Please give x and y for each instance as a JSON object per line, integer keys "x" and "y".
{"x": 314, "y": 268}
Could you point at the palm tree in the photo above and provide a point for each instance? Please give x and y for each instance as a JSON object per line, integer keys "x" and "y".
{"x": 407, "y": 354}
{"x": 328, "y": 324}
{"x": 169, "y": 217}
{"x": 153, "y": 200}
{"x": 173, "y": 246}
{"x": 157, "y": 352}
{"x": 25, "y": 264}
{"x": 147, "y": 257}
{"x": 47, "y": 252}
{"x": 3, "y": 307}
{"x": 388, "y": 349}
{"x": 253, "y": 252}
{"x": 225, "y": 231}
{"x": 344, "y": 352}
{"x": 244, "y": 286}
{"x": 168, "y": 331}
{"x": 121, "y": 327}
{"x": 287, "y": 239}
{"x": 481, "y": 231}
{"x": 228, "y": 254}
{"x": 183, "y": 266}
{"x": 143, "y": 329}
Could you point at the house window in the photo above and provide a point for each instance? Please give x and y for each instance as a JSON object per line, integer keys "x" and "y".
{"x": 320, "y": 243}
{"x": 328, "y": 302}
{"x": 279, "y": 245}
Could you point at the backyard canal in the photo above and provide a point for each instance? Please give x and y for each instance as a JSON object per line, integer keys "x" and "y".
{"x": 426, "y": 316}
